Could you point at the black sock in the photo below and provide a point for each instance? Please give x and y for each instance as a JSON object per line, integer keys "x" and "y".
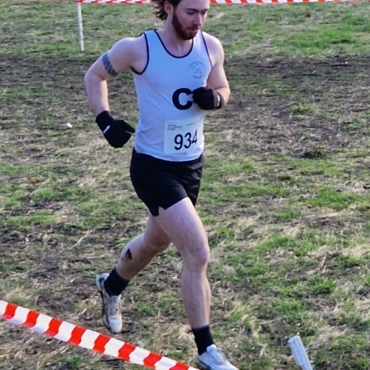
{"x": 115, "y": 284}
{"x": 203, "y": 338}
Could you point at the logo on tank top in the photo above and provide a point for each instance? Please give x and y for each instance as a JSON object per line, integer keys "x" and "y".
{"x": 198, "y": 69}
{"x": 180, "y": 98}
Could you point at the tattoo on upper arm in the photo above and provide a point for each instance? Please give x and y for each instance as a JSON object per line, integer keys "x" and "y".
{"x": 108, "y": 66}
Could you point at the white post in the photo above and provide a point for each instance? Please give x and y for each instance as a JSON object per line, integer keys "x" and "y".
{"x": 80, "y": 27}
{"x": 299, "y": 353}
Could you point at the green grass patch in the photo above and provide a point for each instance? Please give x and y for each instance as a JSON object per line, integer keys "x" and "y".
{"x": 284, "y": 197}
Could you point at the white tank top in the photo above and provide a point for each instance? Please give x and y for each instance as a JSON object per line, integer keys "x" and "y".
{"x": 170, "y": 125}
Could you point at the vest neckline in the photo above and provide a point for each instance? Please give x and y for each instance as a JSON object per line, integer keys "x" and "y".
{"x": 169, "y": 53}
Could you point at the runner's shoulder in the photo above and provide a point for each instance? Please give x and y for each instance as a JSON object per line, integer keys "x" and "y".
{"x": 129, "y": 52}
{"x": 133, "y": 45}
{"x": 212, "y": 42}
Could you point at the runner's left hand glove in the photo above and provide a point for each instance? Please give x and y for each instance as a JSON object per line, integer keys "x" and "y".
{"x": 207, "y": 98}
{"x": 117, "y": 132}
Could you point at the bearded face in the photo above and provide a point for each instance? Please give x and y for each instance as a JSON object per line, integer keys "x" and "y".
{"x": 186, "y": 29}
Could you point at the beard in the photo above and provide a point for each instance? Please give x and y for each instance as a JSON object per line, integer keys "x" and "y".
{"x": 184, "y": 33}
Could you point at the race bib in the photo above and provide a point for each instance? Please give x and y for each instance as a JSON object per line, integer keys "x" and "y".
{"x": 183, "y": 136}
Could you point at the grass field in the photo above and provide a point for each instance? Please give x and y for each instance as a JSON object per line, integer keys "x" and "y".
{"x": 285, "y": 196}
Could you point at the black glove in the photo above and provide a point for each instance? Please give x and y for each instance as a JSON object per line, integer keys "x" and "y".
{"x": 117, "y": 132}
{"x": 207, "y": 98}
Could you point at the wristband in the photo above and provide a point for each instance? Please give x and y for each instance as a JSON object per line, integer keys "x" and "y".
{"x": 220, "y": 101}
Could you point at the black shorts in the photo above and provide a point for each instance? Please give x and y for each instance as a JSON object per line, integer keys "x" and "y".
{"x": 160, "y": 183}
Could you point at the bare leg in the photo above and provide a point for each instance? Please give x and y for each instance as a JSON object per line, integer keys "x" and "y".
{"x": 134, "y": 257}
{"x": 141, "y": 250}
{"x": 183, "y": 226}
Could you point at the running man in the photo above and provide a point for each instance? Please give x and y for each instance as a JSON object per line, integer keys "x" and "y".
{"x": 179, "y": 74}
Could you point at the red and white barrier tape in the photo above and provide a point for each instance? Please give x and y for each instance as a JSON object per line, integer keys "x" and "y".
{"x": 214, "y": 1}
{"x": 85, "y": 338}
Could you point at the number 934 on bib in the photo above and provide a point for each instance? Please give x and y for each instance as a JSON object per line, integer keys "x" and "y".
{"x": 183, "y": 136}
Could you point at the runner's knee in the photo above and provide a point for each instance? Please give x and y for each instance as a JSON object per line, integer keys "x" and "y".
{"x": 197, "y": 259}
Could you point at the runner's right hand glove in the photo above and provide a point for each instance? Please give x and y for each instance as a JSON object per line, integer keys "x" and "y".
{"x": 207, "y": 98}
{"x": 116, "y": 132}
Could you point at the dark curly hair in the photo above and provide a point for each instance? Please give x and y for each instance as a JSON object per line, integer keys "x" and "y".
{"x": 158, "y": 6}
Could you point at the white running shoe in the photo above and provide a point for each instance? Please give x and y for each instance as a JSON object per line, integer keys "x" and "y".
{"x": 111, "y": 308}
{"x": 213, "y": 359}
